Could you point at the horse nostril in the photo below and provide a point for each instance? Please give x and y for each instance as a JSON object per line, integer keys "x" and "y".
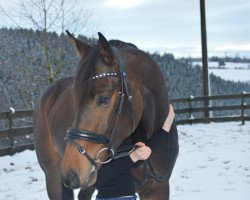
{"x": 66, "y": 182}
{"x": 71, "y": 180}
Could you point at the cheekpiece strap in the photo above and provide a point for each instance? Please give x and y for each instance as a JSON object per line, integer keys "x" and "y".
{"x": 81, "y": 150}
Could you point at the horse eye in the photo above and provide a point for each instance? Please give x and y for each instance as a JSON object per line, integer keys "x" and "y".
{"x": 103, "y": 100}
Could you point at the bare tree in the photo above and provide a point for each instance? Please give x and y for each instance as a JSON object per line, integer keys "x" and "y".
{"x": 47, "y": 16}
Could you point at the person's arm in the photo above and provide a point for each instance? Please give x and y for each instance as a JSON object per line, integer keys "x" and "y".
{"x": 163, "y": 133}
{"x": 167, "y": 136}
{"x": 169, "y": 121}
{"x": 144, "y": 150}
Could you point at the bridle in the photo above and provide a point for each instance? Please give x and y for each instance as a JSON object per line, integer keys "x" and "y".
{"x": 75, "y": 134}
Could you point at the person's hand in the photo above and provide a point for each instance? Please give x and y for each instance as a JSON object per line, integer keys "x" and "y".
{"x": 141, "y": 153}
{"x": 170, "y": 118}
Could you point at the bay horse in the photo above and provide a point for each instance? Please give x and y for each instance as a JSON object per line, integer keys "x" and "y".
{"x": 118, "y": 95}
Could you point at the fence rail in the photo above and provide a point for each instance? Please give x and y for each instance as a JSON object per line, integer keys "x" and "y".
{"x": 243, "y": 107}
{"x": 11, "y": 131}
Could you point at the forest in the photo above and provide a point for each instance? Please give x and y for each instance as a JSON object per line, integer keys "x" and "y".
{"x": 23, "y": 73}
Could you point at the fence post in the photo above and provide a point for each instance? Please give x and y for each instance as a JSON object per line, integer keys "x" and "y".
{"x": 190, "y": 108}
{"x": 11, "y": 131}
{"x": 32, "y": 105}
{"x": 242, "y": 107}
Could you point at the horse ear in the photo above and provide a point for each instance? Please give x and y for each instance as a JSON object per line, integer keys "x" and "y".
{"x": 80, "y": 46}
{"x": 105, "y": 49}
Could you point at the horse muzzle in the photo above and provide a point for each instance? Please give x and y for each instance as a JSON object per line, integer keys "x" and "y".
{"x": 72, "y": 180}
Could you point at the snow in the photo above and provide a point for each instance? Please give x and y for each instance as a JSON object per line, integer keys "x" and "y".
{"x": 12, "y": 110}
{"x": 231, "y": 71}
{"x": 214, "y": 163}
{"x": 242, "y": 75}
{"x": 21, "y": 177}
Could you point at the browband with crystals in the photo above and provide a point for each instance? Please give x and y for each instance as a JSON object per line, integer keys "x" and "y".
{"x": 105, "y": 74}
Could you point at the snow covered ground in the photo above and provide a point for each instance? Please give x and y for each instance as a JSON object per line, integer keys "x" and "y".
{"x": 242, "y": 75}
{"x": 232, "y": 71}
{"x": 214, "y": 163}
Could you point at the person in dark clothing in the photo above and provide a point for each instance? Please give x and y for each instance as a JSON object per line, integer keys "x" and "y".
{"x": 114, "y": 179}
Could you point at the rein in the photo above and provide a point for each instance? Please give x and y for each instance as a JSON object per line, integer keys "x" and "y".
{"x": 75, "y": 134}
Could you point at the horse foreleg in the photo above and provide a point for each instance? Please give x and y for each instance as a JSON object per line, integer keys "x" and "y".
{"x": 86, "y": 194}
{"x": 55, "y": 188}
{"x": 50, "y": 161}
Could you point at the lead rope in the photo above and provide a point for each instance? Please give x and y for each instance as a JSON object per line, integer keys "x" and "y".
{"x": 145, "y": 177}
{"x": 155, "y": 175}
{"x": 148, "y": 164}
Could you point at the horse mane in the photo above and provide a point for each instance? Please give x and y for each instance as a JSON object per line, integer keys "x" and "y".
{"x": 85, "y": 70}
{"x": 121, "y": 44}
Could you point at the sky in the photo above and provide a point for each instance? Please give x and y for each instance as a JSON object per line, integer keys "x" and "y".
{"x": 172, "y": 26}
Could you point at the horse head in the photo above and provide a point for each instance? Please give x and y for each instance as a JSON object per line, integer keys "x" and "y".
{"x": 102, "y": 111}
{"x": 115, "y": 94}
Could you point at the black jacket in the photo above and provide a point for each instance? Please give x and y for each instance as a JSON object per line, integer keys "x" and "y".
{"x": 114, "y": 179}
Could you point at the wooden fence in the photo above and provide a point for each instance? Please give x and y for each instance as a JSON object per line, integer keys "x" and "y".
{"x": 243, "y": 107}
{"x": 184, "y": 106}
{"x": 12, "y": 131}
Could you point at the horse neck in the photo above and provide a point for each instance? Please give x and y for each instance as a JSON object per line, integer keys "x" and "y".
{"x": 158, "y": 93}
{"x": 155, "y": 98}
